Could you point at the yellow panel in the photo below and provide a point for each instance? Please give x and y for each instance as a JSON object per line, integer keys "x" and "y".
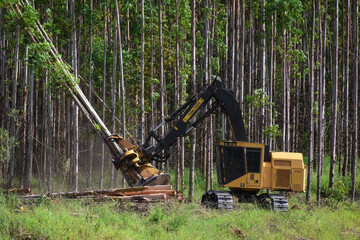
{"x": 298, "y": 180}
{"x": 281, "y": 179}
{"x": 266, "y": 181}
{"x": 282, "y": 163}
{"x": 237, "y": 183}
{"x": 242, "y": 183}
{"x": 295, "y": 158}
{"x": 253, "y": 179}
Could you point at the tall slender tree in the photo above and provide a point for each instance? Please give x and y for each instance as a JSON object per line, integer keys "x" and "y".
{"x": 122, "y": 81}
{"x": 334, "y": 94}
{"x": 193, "y": 91}
{"x": 103, "y": 96}
{"x": 355, "y": 95}
{"x": 142, "y": 80}
{"x": 91, "y": 140}
{"x": 74, "y": 58}
{"x": 311, "y": 102}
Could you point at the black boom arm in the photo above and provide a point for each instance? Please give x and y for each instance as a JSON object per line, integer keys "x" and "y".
{"x": 223, "y": 98}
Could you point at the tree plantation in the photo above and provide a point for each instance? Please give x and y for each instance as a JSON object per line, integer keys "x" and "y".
{"x": 293, "y": 66}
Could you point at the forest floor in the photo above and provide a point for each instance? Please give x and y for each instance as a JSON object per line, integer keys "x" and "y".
{"x": 84, "y": 219}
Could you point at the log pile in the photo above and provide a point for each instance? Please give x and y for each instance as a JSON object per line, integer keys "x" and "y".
{"x": 143, "y": 194}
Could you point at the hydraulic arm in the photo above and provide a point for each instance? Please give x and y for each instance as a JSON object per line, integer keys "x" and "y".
{"x": 221, "y": 97}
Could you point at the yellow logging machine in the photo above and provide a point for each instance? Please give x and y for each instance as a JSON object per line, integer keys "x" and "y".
{"x": 245, "y": 168}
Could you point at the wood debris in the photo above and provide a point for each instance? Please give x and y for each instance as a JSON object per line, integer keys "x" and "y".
{"x": 137, "y": 194}
{"x": 19, "y": 191}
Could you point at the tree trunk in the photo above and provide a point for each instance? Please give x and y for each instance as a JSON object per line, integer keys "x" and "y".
{"x": 334, "y": 95}
{"x": 142, "y": 81}
{"x": 321, "y": 103}
{"x": 30, "y": 128}
{"x": 355, "y": 96}
{"x": 113, "y": 181}
{"x": 13, "y": 108}
{"x": 75, "y": 106}
{"x": 251, "y": 62}
{"x": 49, "y": 136}
{"x": 103, "y": 97}
{"x": 161, "y": 72}
{"x": 122, "y": 81}
{"x": 284, "y": 94}
{"x": 262, "y": 69}
{"x": 91, "y": 140}
{"x": 347, "y": 96}
{"x": 311, "y": 107}
{"x": 193, "y": 91}
{"x": 2, "y": 61}
{"x": 177, "y": 95}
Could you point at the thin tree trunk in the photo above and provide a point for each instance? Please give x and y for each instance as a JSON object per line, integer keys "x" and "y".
{"x": 177, "y": 95}
{"x": 262, "y": 69}
{"x": 30, "y": 128}
{"x": 251, "y": 60}
{"x": 161, "y": 72}
{"x": 2, "y": 60}
{"x": 113, "y": 181}
{"x": 355, "y": 96}
{"x": 49, "y": 136}
{"x": 75, "y": 107}
{"x": 193, "y": 91}
{"x": 242, "y": 54}
{"x": 284, "y": 94}
{"x": 122, "y": 81}
{"x": 311, "y": 108}
{"x": 142, "y": 81}
{"x": 91, "y": 140}
{"x": 103, "y": 98}
{"x": 13, "y": 106}
{"x": 347, "y": 96}
{"x": 321, "y": 99}
{"x": 334, "y": 95}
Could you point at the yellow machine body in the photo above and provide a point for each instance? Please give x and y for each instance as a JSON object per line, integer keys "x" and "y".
{"x": 257, "y": 169}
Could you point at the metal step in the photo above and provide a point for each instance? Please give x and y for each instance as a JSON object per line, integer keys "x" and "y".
{"x": 217, "y": 200}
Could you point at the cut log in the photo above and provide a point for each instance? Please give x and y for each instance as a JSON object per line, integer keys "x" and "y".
{"x": 20, "y": 191}
{"x": 138, "y": 194}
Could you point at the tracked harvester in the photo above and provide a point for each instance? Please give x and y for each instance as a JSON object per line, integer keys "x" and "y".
{"x": 246, "y": 168}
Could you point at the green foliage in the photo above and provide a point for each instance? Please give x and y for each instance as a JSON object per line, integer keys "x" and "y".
{"x": 30, "y": 17}
{"x": 97, "y": 126}
{"x": 272, "y": 131}
{"x": 259, "y": 100}
{"x": 340, "y": 191}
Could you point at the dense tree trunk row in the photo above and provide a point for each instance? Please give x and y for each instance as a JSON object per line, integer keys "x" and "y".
{"x": 143, "y": 59}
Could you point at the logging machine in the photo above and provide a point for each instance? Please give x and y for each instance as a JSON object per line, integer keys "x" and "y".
{"x": 244, "y": 167}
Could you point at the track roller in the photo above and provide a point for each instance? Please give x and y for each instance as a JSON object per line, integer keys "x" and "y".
{"x": 277, "y": 202}
{"x": 217, "y": 200}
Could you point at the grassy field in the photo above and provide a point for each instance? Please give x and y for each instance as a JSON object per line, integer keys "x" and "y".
{"x": 335, "y": 218}
{"x": 80, "y": 219}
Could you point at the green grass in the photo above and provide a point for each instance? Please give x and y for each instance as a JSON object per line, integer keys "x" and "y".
{"x": 75, "y": 219}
